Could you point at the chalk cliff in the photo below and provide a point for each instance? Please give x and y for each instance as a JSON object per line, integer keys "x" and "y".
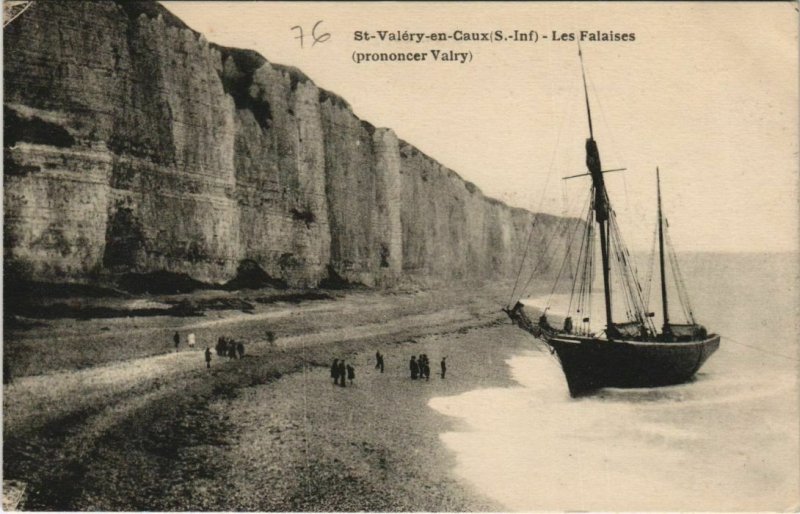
{"x": 133, "y": 145}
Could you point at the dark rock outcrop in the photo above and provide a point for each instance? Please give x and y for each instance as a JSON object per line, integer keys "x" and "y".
{"x": 134, "y": 146}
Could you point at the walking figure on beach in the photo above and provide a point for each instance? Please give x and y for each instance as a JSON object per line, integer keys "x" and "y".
{"x": 208, "y": 357}
{"x": 342, "y": 373}
{"x": 414, "y": 367}
{"x": 177, "y": 340}
{"x": 240, "y": 350}
{"x": 379, "y": 361}
{"x": 335, "y": 371}
{"x": 426, "y": 368}
{"x": 351, "y": 373}
{"x": 444, "y": 367}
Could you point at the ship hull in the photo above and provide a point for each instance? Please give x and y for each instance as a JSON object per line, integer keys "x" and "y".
{"x": 590, "y": 364}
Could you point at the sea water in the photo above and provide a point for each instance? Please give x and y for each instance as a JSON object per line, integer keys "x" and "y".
{"x": 726, "y": 441}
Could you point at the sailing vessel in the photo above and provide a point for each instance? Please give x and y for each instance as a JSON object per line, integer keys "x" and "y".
{"x": 632, "y": 353}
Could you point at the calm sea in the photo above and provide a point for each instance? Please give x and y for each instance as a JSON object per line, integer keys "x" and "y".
{"x": 726, "y": 441}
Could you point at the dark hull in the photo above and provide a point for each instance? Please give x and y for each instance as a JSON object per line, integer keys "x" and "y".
{"x": 590, "y": 364}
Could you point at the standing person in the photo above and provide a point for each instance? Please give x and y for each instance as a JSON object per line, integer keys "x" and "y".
{"x": 177, "y": 340}
{"x": 444, "y": 367}
{"x": 351, "y": 373}
{"x": 378, "y": 359}
{"x": 380, "y": 362}
{"x": 426, "y": 368}
{"x": 414, "y": 367}
{"x": 231, "y": 349}
{"x": 240, "y": 350}
{"x": 208, "y": 357}
{"x": 190, "y": 340}
{"x": 335, "y": 371}
{"x": 342, "y": 373}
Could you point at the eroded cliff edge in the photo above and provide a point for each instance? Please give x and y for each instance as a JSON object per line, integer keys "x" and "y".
{"x": 133, "y": 145}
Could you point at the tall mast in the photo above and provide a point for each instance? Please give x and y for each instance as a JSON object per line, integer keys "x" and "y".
{"x": 600, "y": 202}
{"x": 666, "y": 329}
{"x": 586, "y": 94}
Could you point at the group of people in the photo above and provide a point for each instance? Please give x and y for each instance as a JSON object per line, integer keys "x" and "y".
{"x": 190, "y": 340}
{"x": 341, "y": 371}
{"x": 229, "y": 348}
{"x": 421, "y": 368}
{"x": 226, "y": 347}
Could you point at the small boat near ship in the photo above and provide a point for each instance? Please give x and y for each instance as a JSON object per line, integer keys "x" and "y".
{"x": 631, "y": 353}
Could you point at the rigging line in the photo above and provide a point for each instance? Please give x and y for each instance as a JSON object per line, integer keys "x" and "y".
{"x": 776, "y": 354}
{"x": 563, "y": 264}
{"x": 632, "y": 288}
{"x": 683, "y": 296}
{"x": 623, "y": 279}
{"x": 630, "y": 267}
{"x": 589, "y": 250}
{"x": 651, "y": 262}
{"x": 679, "y": 278}
{"x": 636, "y": 288}
{"x": 546, "y": 238}
{"x": 584, "y": 242}
{"x": 586, "y": 260}
{"x": 549, "y": 242}
{"x": 522, "y": 262}
{"x": 541, "y": 201}
{"x": 545, "y": 255}
{"x": 558, "y": 277}
{"x": 588, "y": 266}
{"x": 591, "y": 274}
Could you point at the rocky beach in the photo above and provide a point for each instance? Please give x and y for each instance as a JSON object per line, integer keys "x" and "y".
{"x": 156, "y": 430}
{"x": 157, "y": 182}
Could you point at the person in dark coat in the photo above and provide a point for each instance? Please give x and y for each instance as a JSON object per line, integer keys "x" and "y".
{"x": 379, "y": 361}
{"x": 414, "y": 367}
{"x": 426, "y": 368}
{"x": 231, "y": 350}
{"x": 335, "y": 371}
{"x": 240, "y": 350}
{"x": 444, "y": 367}
{"x": 177, "y": 340}
{"x": 208, "y": 357}
{"x": 351, "y": 373}
{"x": 342, "y": 373}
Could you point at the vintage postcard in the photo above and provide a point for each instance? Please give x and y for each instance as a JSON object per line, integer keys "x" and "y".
{"x": 452, "y": 256}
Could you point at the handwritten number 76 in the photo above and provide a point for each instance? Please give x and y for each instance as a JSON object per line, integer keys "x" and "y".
{"x": 316, "y": 38}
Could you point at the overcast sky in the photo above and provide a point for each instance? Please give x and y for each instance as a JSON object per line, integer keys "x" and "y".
{"x": 708, "y": 92}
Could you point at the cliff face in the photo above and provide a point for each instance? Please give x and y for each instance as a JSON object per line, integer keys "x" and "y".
{"x": 134, "y": 145}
